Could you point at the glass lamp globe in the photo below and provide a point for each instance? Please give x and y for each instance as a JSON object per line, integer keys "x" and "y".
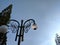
{"x": 34, "y": 26}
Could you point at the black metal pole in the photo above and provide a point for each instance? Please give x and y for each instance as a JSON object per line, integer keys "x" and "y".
{"x": 20, "y": 33}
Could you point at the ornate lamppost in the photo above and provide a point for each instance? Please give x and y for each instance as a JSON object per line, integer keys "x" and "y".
{"x": 16, "y": 27}
{"x": 23, "y": 27}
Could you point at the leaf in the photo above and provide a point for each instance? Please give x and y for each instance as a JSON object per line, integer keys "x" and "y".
{"x": 5, "y": 15}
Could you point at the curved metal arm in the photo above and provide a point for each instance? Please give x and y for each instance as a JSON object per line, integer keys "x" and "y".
{"x": 30, "y": 20}
{"x": 17, "y": 27}
{"x": 27, "y": 26}
{"x": 15, "y": 21}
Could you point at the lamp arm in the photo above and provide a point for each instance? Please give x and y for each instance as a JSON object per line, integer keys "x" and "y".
{"x": 17, "y": 29}
{"x": 27, "y": 26}
{"x": 29, "y": 20}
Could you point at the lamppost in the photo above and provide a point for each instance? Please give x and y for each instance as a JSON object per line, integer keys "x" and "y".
{"x": 15, "y": 26}
{"x": 23, "y": 27}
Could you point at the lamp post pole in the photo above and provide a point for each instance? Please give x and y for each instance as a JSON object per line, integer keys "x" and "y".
{"x": 21, "y": 33}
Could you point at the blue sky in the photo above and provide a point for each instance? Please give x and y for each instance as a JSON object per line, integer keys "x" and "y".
{"x": 46, "y": 13}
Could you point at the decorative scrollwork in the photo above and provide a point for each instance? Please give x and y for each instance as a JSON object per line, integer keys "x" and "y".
{"x": 13, "y": 26}
{"x": 27, "y": 27}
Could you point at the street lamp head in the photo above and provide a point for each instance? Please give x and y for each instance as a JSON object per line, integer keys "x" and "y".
{"x": 34, "y": 26}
